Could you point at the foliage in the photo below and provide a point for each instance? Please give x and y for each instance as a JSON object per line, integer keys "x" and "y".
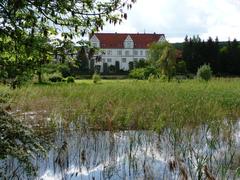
{"x": 64, "y": 69}
{"x": 70, "y": 79}
{"x": 223, "y": 56}
{"x": 181, "y": 67}
{"x": 167, "y": 61}
{"x": 138, "y": 73}
{"x": 96, "y": 78}
{"x": 112, "y": 69}
{"x": 155, "y": 51}
{"x": 144, "y": 73}
{"x": 18, "y": 141}
{"x": 142, "y": 63}
{"x": 83, "y": 60}
{"x": 28, "y": 30}
{"x": 56, "y": 77}
{"x": 152, "y": 77}
{"x": 204, "y": 72}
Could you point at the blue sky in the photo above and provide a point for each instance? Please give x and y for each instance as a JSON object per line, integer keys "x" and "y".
{"x": 176, "y": 19}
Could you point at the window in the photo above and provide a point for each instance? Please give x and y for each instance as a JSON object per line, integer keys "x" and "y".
{"x": 135, "y": 52}
{"x": 109, "y": 60}
{"x": 126, "y": 53}
{"x": 94, "y": 44}
{"x": 135, "y": 59}
{"x": 103, "y": 60}
{"x": 141, "y": 53}
{"x": 128, "y": 44}
{"x": 119, "y": 52}
{"x": 124, "y": 60}
{"x": 109, "y": 52}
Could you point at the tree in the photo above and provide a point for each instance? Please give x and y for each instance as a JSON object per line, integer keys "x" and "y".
{"x": 155, "y": 51}
{"x": 167, "y": 61}
{"x": 163, "y": 56}
{"x": 23, "y": 20}
{"x": 82, "y": 60}
{"x": 204, "y": 72}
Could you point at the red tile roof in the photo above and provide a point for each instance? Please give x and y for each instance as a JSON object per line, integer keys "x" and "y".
{"x": 116, "y": 40}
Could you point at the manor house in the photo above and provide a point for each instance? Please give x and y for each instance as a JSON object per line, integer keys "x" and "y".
{"x": 122, "y": 48}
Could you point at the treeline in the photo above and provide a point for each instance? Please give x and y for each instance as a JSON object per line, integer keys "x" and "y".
{"x": 224, "y": 58}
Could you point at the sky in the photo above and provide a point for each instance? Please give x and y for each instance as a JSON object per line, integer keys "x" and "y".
{"x": 178, "y": 18}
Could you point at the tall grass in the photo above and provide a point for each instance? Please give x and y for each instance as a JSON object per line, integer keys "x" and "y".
{"x": 130, "y": 104}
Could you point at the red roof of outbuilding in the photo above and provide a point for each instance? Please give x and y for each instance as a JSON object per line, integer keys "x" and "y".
{"x": 116, "y": 40}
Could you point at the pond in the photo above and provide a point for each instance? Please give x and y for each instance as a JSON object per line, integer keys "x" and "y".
{"x": 174, "y": 153}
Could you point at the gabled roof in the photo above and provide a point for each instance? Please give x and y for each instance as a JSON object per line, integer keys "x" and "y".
{"x": 116, "y": 40}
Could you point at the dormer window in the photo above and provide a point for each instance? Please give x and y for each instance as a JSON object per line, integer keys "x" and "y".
{"x": 128, "y": 43}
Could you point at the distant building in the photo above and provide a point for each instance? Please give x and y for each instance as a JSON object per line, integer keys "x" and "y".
{"x": 122, "y": 48}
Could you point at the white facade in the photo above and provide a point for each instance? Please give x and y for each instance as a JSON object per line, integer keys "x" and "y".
{"x": 123, "y": 55}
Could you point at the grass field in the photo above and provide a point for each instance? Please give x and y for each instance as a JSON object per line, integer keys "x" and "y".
{"x": 132, "y": 104}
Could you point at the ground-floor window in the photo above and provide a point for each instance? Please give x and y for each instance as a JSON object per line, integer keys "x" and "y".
{"x": 124, "y": 60}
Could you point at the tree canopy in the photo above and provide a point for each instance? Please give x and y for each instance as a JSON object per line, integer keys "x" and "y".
{"x": 163, "y": 56}
{"x": 76, "y": 17}
{"x": 28, "y": 28}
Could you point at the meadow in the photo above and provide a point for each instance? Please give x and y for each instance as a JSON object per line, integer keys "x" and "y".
{"x": 131, "y": 104}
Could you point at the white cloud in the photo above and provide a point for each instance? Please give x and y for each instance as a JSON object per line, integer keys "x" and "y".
{"x": 177, "y": 18}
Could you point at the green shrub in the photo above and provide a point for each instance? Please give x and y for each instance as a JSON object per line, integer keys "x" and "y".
{"x": 152, "y": 78}
{"x": 65, "y": 70}
{"x": 96, "y": 78}
{"x": 56, "y": 77}
{"x": 151, "y": 70}
{"x": 142, "y": 63}
{"x": 70, "y": 79}
{"x": 181, "y": 67}
{"x": 137, "y": 73}
{"x": 163, "y": 78}
{"x": 204, "y": 72}
{"x": 143, "y": 73}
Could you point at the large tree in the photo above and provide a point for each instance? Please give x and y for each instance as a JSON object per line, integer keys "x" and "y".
{"x": 167, "y": 61}
{"x": 26, "y": 22}
{"x": 163, "y": 56}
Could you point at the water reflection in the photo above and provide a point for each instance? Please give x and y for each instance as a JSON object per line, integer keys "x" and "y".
{"x": 175, "y": 153}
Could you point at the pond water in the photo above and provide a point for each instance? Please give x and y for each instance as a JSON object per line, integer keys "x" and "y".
{"x": 179, "y": 153}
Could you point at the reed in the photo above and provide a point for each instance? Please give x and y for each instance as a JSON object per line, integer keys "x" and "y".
{"x": 131, "y": 104}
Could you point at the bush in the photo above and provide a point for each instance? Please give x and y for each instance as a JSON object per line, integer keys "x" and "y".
{"x": 181, "y": 67}
{"x": 96, "y": 78}
{"x": 204, "y": 72}
{"x": 137, "y": 73}
{"x": 152, "y": 78}
{"x": 143, "y": 73}
{"x": 151, "y": 70}
{"x": 142, "y": 63}
{"x": 112, "y": 69}
{"x": 56, "y": 77}
{"x": 65, "y": 70}
{"x": 70, "y": 79}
